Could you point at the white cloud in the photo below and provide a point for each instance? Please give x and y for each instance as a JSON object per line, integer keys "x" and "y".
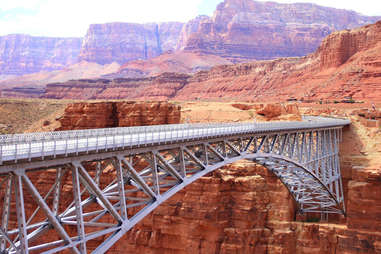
{"x": 72, "y": 17}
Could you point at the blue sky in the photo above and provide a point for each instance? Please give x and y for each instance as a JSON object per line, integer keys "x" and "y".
{"x": 71, "y": 18}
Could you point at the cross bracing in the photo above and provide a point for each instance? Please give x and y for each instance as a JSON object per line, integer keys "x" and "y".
{"x": 75, "y": 189}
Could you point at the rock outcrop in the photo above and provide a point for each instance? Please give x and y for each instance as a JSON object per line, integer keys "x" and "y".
{"x": 123, "y": 42}
{"x": 23, "y": 54}
{"x": 80, "y": 116}
{"x": 242, "y": 30}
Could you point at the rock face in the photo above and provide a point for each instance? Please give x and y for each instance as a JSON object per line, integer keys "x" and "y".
{"x": 333, "y": 72}
{"x": 242, "y": 30}
{"x": 80, "y": 116}
{"x": 160, "y": 87}
{"x": 23, "y": 54}
{"x": 347, "y": 64}
{"x": 123, "y": 42}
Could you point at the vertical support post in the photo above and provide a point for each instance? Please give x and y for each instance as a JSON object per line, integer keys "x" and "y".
{"x": 182, "y": 163}
{"x": 6, "y": 210}
{"x": 293, "y": 145}
{"x": 301, "y": 148}
{"x": 122, "y": 194}
{"x": 317, "y": 154}
{"x": 155, "y": 173}
{"x": 310, "y": 143}
{"x": 78, "y": 210}
{"x": 97, "y": 173}
{"x": 205, "y": 148}
{"x": 57, "y": 191}
{"x": 21, "y": 215}
{"x": 224, "y": 149}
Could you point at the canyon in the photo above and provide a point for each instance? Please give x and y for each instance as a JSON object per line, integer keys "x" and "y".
{"x": 346, "y": 66}
{"x": 243, "y": 207}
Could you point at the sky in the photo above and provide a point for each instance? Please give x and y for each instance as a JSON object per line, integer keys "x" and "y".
{"x": 71, "y": 18}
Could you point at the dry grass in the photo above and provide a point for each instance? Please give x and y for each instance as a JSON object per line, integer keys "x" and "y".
{"x": 18, "y": 115}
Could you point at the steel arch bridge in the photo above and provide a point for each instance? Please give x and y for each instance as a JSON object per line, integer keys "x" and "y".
{"x": 91, "y": 186}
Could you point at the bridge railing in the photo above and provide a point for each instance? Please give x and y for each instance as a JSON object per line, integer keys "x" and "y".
{"x": 32, "y": 145}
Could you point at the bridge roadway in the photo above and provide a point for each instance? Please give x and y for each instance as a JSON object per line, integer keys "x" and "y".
{"x": 150, "y": 164}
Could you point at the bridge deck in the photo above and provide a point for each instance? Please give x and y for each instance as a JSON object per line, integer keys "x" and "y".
{"x": 18, "y": 147}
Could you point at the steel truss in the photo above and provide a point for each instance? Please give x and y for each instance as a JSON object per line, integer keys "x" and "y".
{"x": 91, "y": 200}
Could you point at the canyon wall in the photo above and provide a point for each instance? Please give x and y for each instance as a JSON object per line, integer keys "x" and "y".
{"x": 23, "y": 54}
{"x": 242, "y": 30}
{"x": 346, "y": 65}
{"x": 123, "y": 42}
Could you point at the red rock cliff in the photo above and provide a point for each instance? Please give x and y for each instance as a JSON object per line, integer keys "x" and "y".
{"x": 347, "y": 64}
{"x": 245, "y": 29}
{"x": 79, "y": 116}
{"x": 22, "y": 54}
{"x": 123, "y": 42}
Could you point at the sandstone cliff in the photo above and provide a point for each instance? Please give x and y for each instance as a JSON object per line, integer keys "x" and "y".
{"x": 123, "y": 42}
{"x": 346, "y": 65}
{"x": 78, "y": 116}
{"x": 22, "y": 54}
{"x": 241, "y": 30}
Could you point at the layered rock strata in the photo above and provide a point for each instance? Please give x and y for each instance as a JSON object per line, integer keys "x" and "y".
{"x": 160, "y": 87}
{"x": 242, "y": 30}
{"x": 78, "y": 116}
{"x": 22, "y": 54}
{"x": 334, "y": 72}
{"x": 123, "y": 42}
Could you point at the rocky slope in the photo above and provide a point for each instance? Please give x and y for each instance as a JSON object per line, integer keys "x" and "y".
{"x": 18, "y": 86}
{"x": 123, "y": 42}
{"x": 180, "y": 62}
{"x": 22, "y": 54}
{"x": 242, "y": 30}
{"x": 346, "y": 65}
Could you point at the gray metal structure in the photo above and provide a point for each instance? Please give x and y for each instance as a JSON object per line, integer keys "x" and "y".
{"x": 87, "y": 188}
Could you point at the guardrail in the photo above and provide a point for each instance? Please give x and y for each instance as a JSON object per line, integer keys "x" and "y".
{"x": 32, "y": 145}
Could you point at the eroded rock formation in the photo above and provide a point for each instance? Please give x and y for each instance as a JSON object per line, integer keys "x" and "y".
{"x": 85, "y": 115}
{"x": 23, "y": 54}
{"x": 245, "y": 29}
{"x": 333, "y": 72}
{"x": 123, "y": 42}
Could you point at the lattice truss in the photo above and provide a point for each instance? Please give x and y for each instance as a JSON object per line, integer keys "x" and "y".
{"x": 88, "y": 204}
